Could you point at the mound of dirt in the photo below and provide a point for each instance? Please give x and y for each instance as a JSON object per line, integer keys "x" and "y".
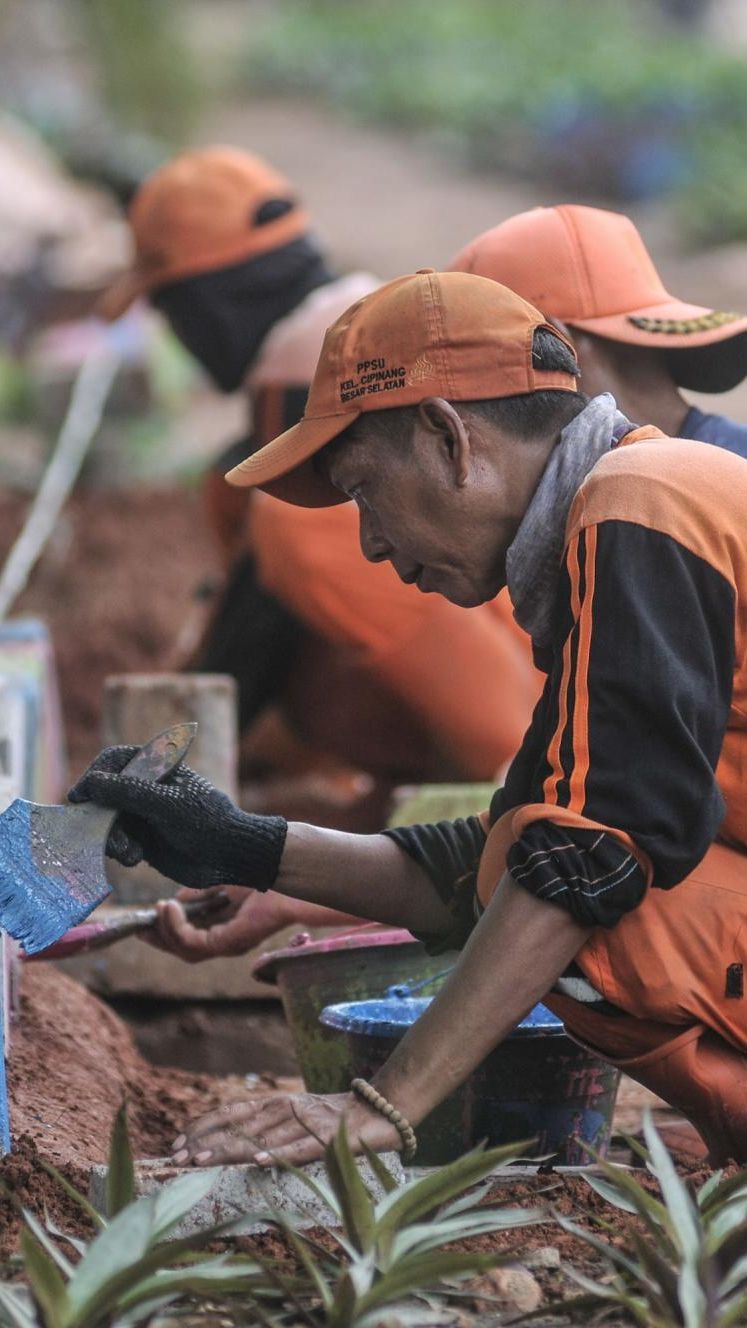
{"x": 72, "y": 1062}
{"x": 114, "y": 585}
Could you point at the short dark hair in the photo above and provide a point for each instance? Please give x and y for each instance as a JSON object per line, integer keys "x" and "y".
{"x": 529, "y": 415}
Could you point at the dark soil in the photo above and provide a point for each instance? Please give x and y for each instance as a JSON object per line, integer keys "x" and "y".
{"x": 114, "y": 585}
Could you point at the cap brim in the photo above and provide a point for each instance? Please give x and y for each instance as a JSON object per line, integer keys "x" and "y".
{"x": 619, "y": 327}
{"x": 285, "y": 467}
{"x": 117, "y": 298}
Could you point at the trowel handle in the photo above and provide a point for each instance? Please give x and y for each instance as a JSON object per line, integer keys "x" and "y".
{"x": 157, "y": 758}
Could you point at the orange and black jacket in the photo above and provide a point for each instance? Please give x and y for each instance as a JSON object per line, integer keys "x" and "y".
{"x": 636, "y": 757}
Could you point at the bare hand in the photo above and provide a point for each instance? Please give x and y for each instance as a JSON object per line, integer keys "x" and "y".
{"x": 282, "y": 1127}
{"x": 251, "y": 918}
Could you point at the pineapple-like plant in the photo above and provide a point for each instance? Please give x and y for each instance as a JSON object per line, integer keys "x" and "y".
{"x": 131, "y": 1269}
{"x": 378, "y": 1255}
{"x": 687, "y": 1267}
{"x": 382, "y": 1254}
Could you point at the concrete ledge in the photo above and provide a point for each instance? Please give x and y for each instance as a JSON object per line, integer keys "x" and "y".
{"x": 245, "y": 1188}
{"x": 132, "y": 968}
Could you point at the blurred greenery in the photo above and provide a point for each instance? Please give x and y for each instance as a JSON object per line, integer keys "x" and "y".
{"x": 16, "y": 392}
{"x": 602, "y": 100}
{"x": 149, "y": 72}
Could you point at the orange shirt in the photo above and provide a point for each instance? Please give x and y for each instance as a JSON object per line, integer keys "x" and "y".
{"x": 466, "y": 674}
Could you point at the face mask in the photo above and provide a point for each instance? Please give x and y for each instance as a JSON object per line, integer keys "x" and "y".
{"x": 223, "y": 317}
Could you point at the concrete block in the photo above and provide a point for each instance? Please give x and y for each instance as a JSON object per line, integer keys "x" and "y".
{"x": 245, "y": 1189}
{"x": 138, "y": 705}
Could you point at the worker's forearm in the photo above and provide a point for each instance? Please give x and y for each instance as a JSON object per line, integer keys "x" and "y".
{"x": 367, "y": 875}
{"x": 517, "y": 951}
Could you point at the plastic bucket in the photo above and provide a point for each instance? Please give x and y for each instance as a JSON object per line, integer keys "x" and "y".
{"x": 345, "y": 966}
{"x": 537, "y": 1084}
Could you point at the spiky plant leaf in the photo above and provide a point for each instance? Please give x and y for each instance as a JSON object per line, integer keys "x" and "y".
{"x": 423, "y": 1196}
{"x": 37, "y": 1230}
{"x": 692, "y": 1295}
{"x": 324, "y": 1193}
{"x": 611, "y": 1253}
{"x": 80, "y": 1246}
{"x": 143, "y": 1312}
{"x": 387, "y": 1181}
{"x": 355, "y": 1202}
{"x": 120, "y": 1177}
{"x": 431, "y": 1235}
{"x": 731, "y": 1188}
{"x": 290, "y": 1289}
{"x": 106, "y": 1274}
{"x": 46, "y": 1282}
{"x": 611, "y": 1193}
{"x": 683, "y": 1212}
{"x": 420, "y": 1271}
{"x": 635, "y": 1305}
{"x": 708, "y": 1188}
{"x": 314, "y": 1273}
{"x": 723, "y": 1229}
{"x": 16, "y": 1308}
{"x": 735, "y": 1314}
{"x": 660, "y": 1273}
{"x": 80, "y": 1199}
{"x": 215, "y": 1276}
{"x": 734, "y": 1276}
{"x": 690, "y": 1270}
{"x": 175, "y": 1200}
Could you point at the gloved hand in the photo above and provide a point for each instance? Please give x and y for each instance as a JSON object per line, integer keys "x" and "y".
{"x": 183, "y": 827}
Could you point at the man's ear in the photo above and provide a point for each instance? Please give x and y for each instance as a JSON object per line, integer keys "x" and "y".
{"x": 439, "y": 417}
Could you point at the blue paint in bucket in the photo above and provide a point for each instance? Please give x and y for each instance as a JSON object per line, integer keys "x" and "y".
{"x": 392, "y": 1018}
{"x": 537, "y": 1084}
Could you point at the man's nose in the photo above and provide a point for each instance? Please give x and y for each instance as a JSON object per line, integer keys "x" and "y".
{"x": 375, "y": 548}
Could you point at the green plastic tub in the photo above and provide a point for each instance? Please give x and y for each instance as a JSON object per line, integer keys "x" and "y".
{"x": 352, "y": 965}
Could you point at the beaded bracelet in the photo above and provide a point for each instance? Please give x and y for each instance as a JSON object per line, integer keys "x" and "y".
{"x": 369, "y": 1094}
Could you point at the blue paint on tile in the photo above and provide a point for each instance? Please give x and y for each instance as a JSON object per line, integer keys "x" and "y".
{"x": 43, "y": 894}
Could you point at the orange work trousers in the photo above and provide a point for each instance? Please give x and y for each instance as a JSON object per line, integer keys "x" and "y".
{"x": 675, "y": 967}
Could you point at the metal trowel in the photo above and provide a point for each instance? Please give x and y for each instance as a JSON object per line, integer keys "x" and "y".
{"x": 52, "y": 872}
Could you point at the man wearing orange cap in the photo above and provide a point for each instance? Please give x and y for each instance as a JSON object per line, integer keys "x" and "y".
{"x": 610, "y": 874}
{"x": 590, "y": 270}
{"x": 362, "y": 666}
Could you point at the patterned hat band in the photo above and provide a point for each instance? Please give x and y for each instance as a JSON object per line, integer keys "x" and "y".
{"x": 705, "y": 323}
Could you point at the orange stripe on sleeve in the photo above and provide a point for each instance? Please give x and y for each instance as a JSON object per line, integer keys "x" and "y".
{"x": 581, "y": 699}
{"x": 553, "y": 752}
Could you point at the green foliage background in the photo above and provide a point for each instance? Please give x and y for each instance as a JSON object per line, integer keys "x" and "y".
{"x": 505, "y": 84}
{"x": 148, "y": 71}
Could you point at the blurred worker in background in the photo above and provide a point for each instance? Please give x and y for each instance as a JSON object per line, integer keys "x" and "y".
{"x": 381, "y": 684}
{"x": 589, "y": 270}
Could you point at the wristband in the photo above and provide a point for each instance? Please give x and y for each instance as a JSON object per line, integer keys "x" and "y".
{"x": 369, "y": 1094}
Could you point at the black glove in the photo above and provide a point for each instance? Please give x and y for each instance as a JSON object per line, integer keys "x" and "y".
{"x": 183, "y": 827}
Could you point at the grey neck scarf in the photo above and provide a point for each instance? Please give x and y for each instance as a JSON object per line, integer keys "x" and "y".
{"x": 534, "y": 558}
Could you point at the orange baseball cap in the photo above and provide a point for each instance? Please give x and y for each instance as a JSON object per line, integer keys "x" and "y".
{"x": 197, "y": 213}
{"x": 431, "y": 334}
{"x": 590, "y": 268}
